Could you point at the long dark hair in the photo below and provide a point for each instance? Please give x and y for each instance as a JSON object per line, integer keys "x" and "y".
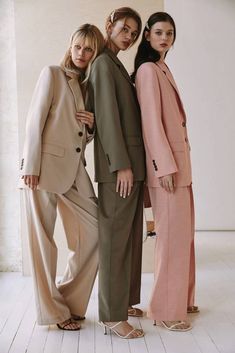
{"x": 145, "y": 53}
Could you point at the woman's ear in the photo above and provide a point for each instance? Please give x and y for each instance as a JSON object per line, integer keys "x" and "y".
{"x": 146, "y": 34}
{"x": 109, "y": 28}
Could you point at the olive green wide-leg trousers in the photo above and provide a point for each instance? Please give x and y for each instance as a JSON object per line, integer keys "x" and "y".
{"x": 120, "y": 224}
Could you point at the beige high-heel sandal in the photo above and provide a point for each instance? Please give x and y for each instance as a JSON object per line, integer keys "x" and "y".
{"x": 139, "y": 332}
{"x": 173, "y": 327}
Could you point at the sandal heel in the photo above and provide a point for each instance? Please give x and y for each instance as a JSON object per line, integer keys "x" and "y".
{"x": 102, "y": 324}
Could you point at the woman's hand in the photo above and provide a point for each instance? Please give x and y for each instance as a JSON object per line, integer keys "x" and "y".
{"x": 124, "y": 182}
{"x": 167, "y": 182}
{"x": 86, "y": 118}
{"x": 31, "y": 181}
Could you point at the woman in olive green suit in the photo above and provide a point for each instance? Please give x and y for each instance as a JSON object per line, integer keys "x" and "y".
{"x": 120, "y": 171}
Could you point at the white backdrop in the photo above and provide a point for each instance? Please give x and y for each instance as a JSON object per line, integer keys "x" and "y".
{"x": 203, "y": 63}
{"x": 42, "y": 32}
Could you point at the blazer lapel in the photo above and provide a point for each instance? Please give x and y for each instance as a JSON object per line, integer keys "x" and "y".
{"x": 77, "y": 93}
{"x": 78, "y": 98}
{"x": 119, "y": 64}
{"x": 170, "y": 77}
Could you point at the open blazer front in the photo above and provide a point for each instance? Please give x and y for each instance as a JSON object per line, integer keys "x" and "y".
{"x": 55, "y": 140}
{"x": 163, "y": 124}
{"x": 118, "y": 141}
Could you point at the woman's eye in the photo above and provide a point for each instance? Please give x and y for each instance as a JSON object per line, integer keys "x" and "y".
{"x": 89, "y": 50}
{"x": 158, "y": 33}
{"x": 77, "y": 47}
{"x": 125, "y": 29}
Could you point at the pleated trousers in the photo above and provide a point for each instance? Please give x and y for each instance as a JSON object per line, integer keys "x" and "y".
{"x": 174, "y": 264}
{"x": 56, "y": 303}
{"x": 120, "y": 250}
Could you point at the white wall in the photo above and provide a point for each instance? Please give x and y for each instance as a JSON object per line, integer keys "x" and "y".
{"x": 10, "y": 243}
{"x": 42, "y": 32}
{"x": 202, "y": 62}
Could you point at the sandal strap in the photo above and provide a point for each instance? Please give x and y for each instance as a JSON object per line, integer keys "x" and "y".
{"x": 115, "y": 325}
{"x": 176, "y": 325}
{"x": 134, "y": 330}
{"x": 66, "y": 323}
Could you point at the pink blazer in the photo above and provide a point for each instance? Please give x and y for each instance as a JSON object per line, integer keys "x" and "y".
{"x": 164, "y": 125}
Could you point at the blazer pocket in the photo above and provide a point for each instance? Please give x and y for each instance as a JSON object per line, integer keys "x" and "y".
{"x": 177, "y": 146}
{"x": 134, "y": 140}
{"x": 53, "y": 149}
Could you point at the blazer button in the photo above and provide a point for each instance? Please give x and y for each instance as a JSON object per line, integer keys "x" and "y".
{"x": 80, "y": 133}
{"x": 183, "y": 124}
{"x": 78, "y": 149}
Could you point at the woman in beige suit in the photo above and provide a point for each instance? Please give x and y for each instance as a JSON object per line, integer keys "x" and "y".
{"x": 54, "y": 177}
{"x": 168, "y": 176}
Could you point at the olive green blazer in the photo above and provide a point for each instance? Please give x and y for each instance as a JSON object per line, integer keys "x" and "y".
{"x": 118, "y": 142}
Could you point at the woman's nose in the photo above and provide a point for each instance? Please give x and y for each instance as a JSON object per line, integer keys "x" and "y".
{"x": 164, "y": 36}
{"x": 81, "y": 52}
{"x": 128, "y": 35}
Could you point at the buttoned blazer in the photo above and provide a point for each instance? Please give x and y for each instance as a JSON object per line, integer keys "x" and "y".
{"x": 55, "y": 141}
{"x": 118, "y": 142}
{"x": 163, "y": 125}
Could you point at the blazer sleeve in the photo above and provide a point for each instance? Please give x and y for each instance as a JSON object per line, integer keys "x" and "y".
{"x": 156, "y": 143}
{"x": 39, "y": 108}
{"x": 107, "y": 116}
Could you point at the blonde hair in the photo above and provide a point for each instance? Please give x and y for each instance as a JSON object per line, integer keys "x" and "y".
{"x": 94, "y": 38}
{"x": 123, "y": 13}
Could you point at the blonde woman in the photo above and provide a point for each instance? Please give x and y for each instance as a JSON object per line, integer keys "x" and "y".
{"x": 53, "y": 177}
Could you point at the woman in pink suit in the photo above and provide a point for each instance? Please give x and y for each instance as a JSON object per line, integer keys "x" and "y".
{"x": 168, "y": 176}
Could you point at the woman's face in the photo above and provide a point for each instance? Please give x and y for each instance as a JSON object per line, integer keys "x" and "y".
{"x": 81, "y": 53}
{"x": 161, "y": 37}
{"x": 123, "y": 33}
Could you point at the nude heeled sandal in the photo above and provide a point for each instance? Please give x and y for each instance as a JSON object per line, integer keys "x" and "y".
{"x": 139, "y": 332}
{"x": 173, "y": 327}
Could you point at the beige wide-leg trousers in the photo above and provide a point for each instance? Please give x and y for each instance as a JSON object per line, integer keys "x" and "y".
{"x": 174, "y": 269}
{"x": 56, "y": 303}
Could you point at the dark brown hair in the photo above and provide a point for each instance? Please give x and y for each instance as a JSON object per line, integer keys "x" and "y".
{"x": 124, "y": 12}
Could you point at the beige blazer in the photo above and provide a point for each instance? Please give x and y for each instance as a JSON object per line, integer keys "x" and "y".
{"x": 55, "y": 141}
{"x": 163, "y": 125}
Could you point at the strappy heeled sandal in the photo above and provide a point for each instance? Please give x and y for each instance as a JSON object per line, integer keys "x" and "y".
{"x": 65, "y": 325}
{"x": 139, "y": 332}
{"x": 174, "y": 327}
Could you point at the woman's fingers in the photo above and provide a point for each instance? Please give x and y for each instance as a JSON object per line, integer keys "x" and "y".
{"x": 167, "y": 183}
{"x": 124, "y": 182}
{"x": 86, "y": 118}
{"x": 31, "y": 181}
